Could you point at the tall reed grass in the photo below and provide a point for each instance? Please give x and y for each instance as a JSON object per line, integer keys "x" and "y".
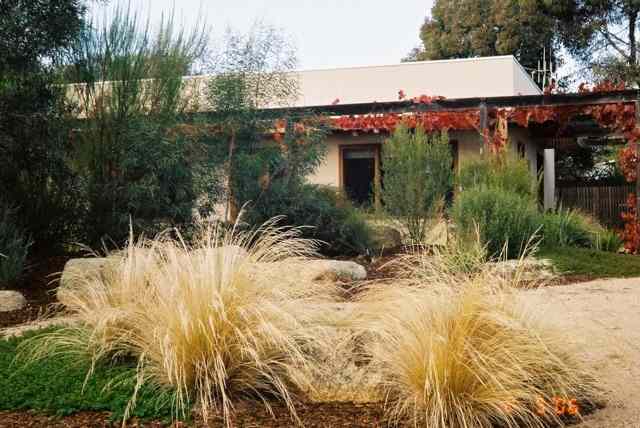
{"x": 214, "y": 323}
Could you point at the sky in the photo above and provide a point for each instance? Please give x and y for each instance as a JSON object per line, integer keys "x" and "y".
{"x": 326, "y": 33}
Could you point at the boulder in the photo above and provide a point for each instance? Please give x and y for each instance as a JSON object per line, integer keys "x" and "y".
{"x": 11, "y": 300}
{"x": 336, "y": 270}
{"x": 79, "y": 269}
{"x": 384, "y": 236}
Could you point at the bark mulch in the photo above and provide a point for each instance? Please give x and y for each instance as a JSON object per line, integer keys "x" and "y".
{"x": 38, "y": 287}
{"x": 312, "y": 415}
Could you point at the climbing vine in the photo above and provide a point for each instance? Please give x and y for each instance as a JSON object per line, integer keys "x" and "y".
{"x": 618, "y": 117}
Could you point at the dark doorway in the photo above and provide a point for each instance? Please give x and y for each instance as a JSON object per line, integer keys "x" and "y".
{"x": 359, "y": 169}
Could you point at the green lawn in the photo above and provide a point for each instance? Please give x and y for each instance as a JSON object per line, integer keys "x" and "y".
{"x": 55, "y": 386}
{"x": 600, "y": 264}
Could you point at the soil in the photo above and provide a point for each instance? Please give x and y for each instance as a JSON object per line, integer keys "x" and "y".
{"x": 38, "y": 287}
{"x": 322, "y": 415}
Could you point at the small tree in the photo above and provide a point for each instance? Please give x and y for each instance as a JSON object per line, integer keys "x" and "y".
{"x": 129, "y": 90}
{"x": 252, "y": 72}
{"x": 417, "y": 177}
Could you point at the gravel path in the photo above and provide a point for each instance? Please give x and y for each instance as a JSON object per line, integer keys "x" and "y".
{"x": 604, "y": 318}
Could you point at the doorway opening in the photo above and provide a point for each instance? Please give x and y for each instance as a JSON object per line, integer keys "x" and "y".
{"x": 359, "y": 171}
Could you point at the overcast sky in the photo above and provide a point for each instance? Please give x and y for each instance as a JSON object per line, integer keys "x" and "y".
{"x": 327, "y": 33}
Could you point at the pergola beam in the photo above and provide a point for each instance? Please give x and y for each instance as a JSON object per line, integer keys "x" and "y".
{"x": 453, "y": 104}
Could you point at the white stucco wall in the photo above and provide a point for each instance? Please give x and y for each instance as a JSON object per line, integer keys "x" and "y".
{"x": 455, "y": 78}
{"x": 469, "y": 146}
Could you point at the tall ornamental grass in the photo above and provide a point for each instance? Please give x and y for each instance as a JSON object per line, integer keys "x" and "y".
{"x": 215, "y": 323}
{"x": 462, "y": 351}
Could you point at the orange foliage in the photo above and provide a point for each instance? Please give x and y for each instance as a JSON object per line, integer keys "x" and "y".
{"x": 631, "y": 232}
{"x": 604, "y": 86}
{"x": 430, "y": 121}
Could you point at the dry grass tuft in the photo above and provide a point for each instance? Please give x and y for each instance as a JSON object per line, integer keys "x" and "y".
{"x": 214, "y": 323}
{"x": 462, "y": 351}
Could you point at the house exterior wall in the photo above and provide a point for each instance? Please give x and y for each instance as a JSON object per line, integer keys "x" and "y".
{"x": 469, "y": 147}
{"x": 523, "y": 84}
{"x": 456, "y": 78}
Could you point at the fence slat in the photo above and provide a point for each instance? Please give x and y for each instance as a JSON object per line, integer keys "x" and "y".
{"x": 604, "y": 201}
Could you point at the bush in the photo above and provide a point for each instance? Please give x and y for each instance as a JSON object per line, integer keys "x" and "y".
{"x": 505, "y": 220}
{"x": 569, "y": 228}
{"x": 503, "y": 171}
{"x": 433, "y": 343}
{"x": 214, "y": 323}
{"x": 135, "y": 164}
{"x": 417, "y": 177}
{"x": 14, "y": 246}
{"x": 608, "y": 240}
{"x": 324, "y": 214}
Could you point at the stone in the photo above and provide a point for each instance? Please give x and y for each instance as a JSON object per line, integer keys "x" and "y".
{"x": 384, "y": 237}
{"x": 336, "y": 270}
{"x": 11, "y": 300}
{"x": 79, "y": 269}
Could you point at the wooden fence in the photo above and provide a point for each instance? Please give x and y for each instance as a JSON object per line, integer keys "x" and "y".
{"x": 605, "y": 201}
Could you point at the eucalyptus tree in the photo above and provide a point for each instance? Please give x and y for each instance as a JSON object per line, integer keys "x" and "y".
{"x": 252, "y": 85}
{"x": 603, "y": 35}
{"x": 472, "y": 28}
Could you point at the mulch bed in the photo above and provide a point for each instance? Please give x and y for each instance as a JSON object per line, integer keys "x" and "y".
{"x": 38, "y": 287}
{"x": 313, "y": 415}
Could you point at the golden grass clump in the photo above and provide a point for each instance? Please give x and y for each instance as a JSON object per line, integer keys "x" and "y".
{"x": 463, "y": 351}
{"x": 215, "y": 322}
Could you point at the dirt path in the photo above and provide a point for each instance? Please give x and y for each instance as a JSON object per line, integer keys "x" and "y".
{"x": 604, "y": 318}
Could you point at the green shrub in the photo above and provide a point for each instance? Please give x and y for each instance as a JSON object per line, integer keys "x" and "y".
{"x": 14, "y": 246}
{"x": 136, "y": 165}
{"x": 504, "y": 171}
{"x": 569, "y": 228}
{"x": 502, "y": 217}
{"x": 330, "y": 216}
{"x": 417, "y": 177}
{"x": 608, "y": 240}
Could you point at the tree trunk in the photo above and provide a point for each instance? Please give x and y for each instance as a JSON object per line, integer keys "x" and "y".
{"x": 633, "y": 17}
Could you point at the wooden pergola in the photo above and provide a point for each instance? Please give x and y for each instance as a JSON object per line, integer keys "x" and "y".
{"x": 551, "y": 118}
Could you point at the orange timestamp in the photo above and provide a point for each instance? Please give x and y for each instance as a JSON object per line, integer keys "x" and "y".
{"x": 561, "y": 406}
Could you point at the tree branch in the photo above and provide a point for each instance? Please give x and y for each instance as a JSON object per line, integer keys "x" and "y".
{"x": 609, "y": 39}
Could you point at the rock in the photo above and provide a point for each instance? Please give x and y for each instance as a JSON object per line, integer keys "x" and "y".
{"x": 530, "y": 269}
{"x": 336, "y": 270}
{"x": 384, "y": 236}
{"x": 80, "y": 269}
{"x": 11, "y": 300}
